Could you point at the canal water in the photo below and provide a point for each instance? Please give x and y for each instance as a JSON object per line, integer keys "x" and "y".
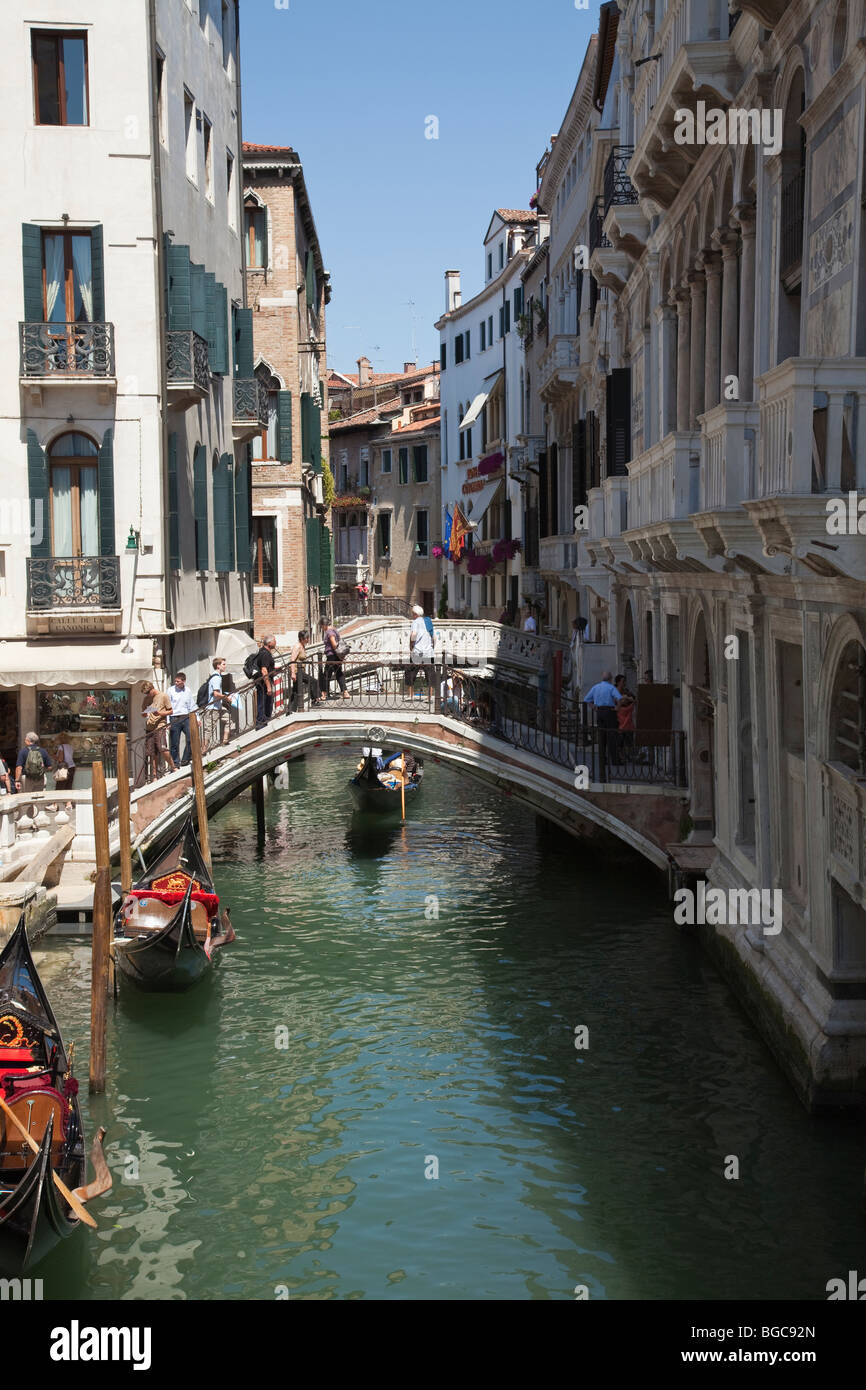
{"x": 378, "y": 1093}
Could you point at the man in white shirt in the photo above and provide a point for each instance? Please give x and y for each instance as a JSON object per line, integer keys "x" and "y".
{"x": 529, "y": 624}
{"x": 182, "y": 706}
{"x": 420, "y": 648}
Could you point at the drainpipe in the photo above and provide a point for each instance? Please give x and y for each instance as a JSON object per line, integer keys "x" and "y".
{"x": 239, "y": 215}
{"x": 156, "y": 191}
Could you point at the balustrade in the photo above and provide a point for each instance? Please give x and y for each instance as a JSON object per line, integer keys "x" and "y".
{"x": 67, "y": 349}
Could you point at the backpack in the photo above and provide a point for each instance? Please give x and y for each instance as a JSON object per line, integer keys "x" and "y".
{"x": 203, "y": 694}
{"x": 428, "y": 623}
{"x": 34, "y": 764}
{"x": 251, "y": 666}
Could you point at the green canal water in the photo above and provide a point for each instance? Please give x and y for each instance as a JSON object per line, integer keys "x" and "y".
{"x": 272, "y": 1133}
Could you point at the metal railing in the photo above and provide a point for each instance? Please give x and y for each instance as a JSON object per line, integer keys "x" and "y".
{"x": 597, "y": 237}
{"x": 187, "y": 363}
{"x": 375, "y": 606}
{"x": 618, "y": 187}
{"x": 556, "y": 728}
{"x": 67, "y": 349}
{"x": 77, "y": 581}
{"x": 249, "y": 401}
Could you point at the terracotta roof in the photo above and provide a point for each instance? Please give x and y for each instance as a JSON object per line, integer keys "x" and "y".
{"x": 379, "y": 378}
{"x": 268, "y": 149}
{"x": 418, "y": 426}
{"x": 517, "y": 215}
{"x": 365, "y": 417}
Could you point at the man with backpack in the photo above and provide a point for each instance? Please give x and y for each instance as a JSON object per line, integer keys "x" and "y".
{"x": 32, "y": 764}
{"x": 216, "y": 702}
{"x": 421, "y": 640}
{"x": 262, "y": 667}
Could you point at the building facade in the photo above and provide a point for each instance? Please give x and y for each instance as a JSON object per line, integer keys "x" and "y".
{"x": 287, "y": 290}
{"x": 125, "y": 545}
{"x": 716, "y": 393}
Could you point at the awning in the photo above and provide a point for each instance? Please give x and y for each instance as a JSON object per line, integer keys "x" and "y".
{"x": 475, "y": 504}
{"x": 54, "y": 664}
{"x": 235, "y": 646}
{"x": 479, "y": 403}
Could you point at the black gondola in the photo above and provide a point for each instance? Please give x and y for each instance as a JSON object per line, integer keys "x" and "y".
{"x": 39, "y": 1091}
{"x": 168, "y": 927}
{"x": 376, "y": 785}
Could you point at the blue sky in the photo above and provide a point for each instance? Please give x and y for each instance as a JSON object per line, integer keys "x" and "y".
{"x": 349, "y": 86}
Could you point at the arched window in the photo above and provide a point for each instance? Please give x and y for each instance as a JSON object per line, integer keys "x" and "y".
{"x": 848, "y": 710}
{"x": 74, "y": 496}
{"x": 255, "y": 233}
{"x": 265, "y": 444}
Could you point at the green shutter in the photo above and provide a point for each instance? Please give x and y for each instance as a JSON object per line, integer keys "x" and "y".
{"x": 467, "y": 337}
{"x": 210, "y": 314}
{"x": 326, "y": 563}
{"x": 313, "y": 530}
{"x": 316, "y": 432}
{"x": 198, "y": 300}
{"x": 221, "y": 313}
{"x": 37, "y": 476}
{"x": 306, "y": 447}
{"x": 242, "y": 516}
{"x": 97, "y": 274}
{"x": 310, "y": 282}
{"x": 179, "y": 305}
{"x": 199, "y": 487}
{"x": 31, "y": 260}
{"x": 223, "y": 516}
{"x": 105, "y": 472}
{"x": 419, "y": 455}
{"x": 284, "y": 426}
{"x": 403, "y": 465}
{"x": 244, "y": 343}
{"x": 173, "y": 513}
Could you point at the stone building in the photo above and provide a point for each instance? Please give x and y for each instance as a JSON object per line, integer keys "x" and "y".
{"x": 128, "y": 389}
{"x": 287, "y": 289}
{"x": 351, "y": 392}
{"x": 405, "y": 525}
{"x": 720, "y": 445}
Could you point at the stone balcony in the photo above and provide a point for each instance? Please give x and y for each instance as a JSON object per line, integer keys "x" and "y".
{"x": 663, "y": 493}
{"x": 78, "y": 355}
{"x": 845, "y": 799}
{"x": 729, "y": 445}
{"x": 558, "y": 368}
{"x": 558, "y": 555}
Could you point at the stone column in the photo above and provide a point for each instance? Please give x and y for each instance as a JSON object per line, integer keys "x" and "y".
{"x": 744, "y": 216}
{"x": 667, "y": 365}
{"x": 696, "y": 386}
{"x": 683, "y": 299}
{"x": 713, "y": 271}
{"x": 730, "y": 326}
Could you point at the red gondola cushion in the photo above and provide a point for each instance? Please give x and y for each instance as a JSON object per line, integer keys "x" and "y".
{"x": 23, "y": 1056}
{"x": 211, "y": 900}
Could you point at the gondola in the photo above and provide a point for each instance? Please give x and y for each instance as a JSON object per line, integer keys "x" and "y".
{"x": 376, "y": 785}
{"x": 39, "y": 1092}
{"x": 169, "y": 928}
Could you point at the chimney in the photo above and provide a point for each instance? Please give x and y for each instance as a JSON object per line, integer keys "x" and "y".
{"x": 364, "y": 371}
{"x": 409, "y": 367}
{"x": 453, "y": 297}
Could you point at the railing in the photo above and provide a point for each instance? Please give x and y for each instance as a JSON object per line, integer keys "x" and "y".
{"x": 791, "y": 247}
{"x": 787, "y": 397}
{"x": 351, "y": 573}
{"x": 597, "y": 237}
{"x": 67, "y": 349}
{"x": 73, "y": 582}
{"x": 249, "y": 401}
{"x": 187, "y": 360}
{"x": 615, "y": 492}
{"x": 618, "y": 187}
{"x": 562, "y": 356}
{"x": 663, "y": 482}
{"x": 558, "y": 554}
{"x": 728, "y": 463}
{"x": 375, "y": 605}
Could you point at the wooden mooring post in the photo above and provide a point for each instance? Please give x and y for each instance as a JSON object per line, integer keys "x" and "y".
{"x": 259, "y": 803}
{"x": 200, "y": 798}
{"x": 101, "y": 940}
{"x": 123, "y": 812}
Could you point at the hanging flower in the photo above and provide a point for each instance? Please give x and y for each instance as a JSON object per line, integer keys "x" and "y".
{"x": 437, "y": 552}
{"x": 491, "y": 464}
{"x": 478, "y": 564}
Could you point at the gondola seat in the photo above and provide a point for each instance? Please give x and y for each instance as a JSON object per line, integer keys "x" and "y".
{"x": 34, "y": 1109}
{"x": 17, "y": 1057}
{"x": 143, "y": 913}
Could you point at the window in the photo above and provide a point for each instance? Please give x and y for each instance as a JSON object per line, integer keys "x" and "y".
{"x": 466, "y": 335}
{"x": 160, "y": 99}
{"x": 403, "y": 465}
{"x": 518, "y": 302}
{"x": 189, "y": 135}
{"x": 60, "y": 95}
{"x": 460, "y": 413}
{"x": 501, "y": 254}
{"x": 419, "y": 460}
{"x": 507, "y": 316}
{"x": 265, "y": 444}
{"x": 422, "y": 534}
{"x": 458, "y": 348}
{"x": 483, "y": 334}
{"x": 502, "y": 321}
{"x": 490, "y": 331}
{"x": 255, "y": 235}
{"x": 231, "y": 199}
{"x": 383, "y": 535}
{"x": 265, "y": 550}
{"x": 490, "y": 265}
{"x": 364, "y": 467}
{"x": 226, "y": 33}
{"x": 468, "y": 434}
{"x": 207, "y": 145}
{"x": 386, "y": 460}
{"x": 344, "y": 470}
{"x": 74, "y": 501}
{"x": 442, "y": 356}
{"x": 202, "y": 12}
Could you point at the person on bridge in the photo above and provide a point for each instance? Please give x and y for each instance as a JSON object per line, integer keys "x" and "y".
{"x": 265, "y": 665}
{"x": 421, "y": 640}
{"x": 529, "y": 623}
{"x": 32, "y": 763}
{"x": 182, "y": 706}
{"x": 333, "y": 659}
{"x": 156, "y": 708}
{"x": 218, "y": 709}
{"x": 605, "y": 698}
{"x": 300, "y": 676}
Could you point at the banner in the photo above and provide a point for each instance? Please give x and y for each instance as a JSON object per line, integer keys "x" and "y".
{"x": 459, "y": 529}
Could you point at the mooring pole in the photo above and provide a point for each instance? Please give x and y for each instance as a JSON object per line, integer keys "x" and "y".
{"x": 259, "y": 800}
{"x": 123, "y": 812}
{"x": 101, "y": 939}
{"x": 200, "y": 798}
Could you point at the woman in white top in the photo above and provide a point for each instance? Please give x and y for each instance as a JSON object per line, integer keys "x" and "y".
{"x": 63, "y": 758}
{"x": 420, "y": 648}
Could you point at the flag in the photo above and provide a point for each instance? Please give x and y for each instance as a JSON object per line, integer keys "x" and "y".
{"x": 459, "y": 529}
{"x": 446, "y": 543}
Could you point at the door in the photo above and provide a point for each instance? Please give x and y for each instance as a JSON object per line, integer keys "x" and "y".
{"x": 74, "y": 518}
{"x": 67, "y": 290}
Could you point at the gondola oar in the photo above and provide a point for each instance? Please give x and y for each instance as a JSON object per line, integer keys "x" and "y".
{"x": 80, "y": 1211}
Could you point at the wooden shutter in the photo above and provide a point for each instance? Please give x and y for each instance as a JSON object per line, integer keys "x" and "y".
{"x": 403, "y": 465}
{"x": 199, "y": 489}
{"x": 419, "y": 463}
{"x": 593, "y": 460}
{"x": 501, "y": 321}
{"x": 468, "y": 347}
{"x": 37, "y": 477}
{"x": 310, "y": 282}
{"x": 173, "y": 511}
{"x": 198, "y": 300}
{"x": 97, "y": 274}
{"x": 313, "y": 529}
{"x": 244, "y": 343}
{"x": 221, "y": 314}
{"x": 326, "y": 563}
{"x": 618, "y": 422}
{"x": 578, "y": 465}
{"x": 442, "y": 356}
{"x": 179, "y": 305}
{"x": 507, "y": 317}
{"x": 31, "y": 261}
{"x": 242, "y": 517}
{"x": 105, "y": 479}
{"x": 580, "y": 275}
{"x": 542, "y": 493}
{"x": 518, "y": 302}
{"x": 553, "y": 482}
{"x": 284, "y": 426}
{"x": 315, "y": 435}
{"x": 210, "y": 312}
{"x": 305, "y": 427}
{"x": 223, "y": 516}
